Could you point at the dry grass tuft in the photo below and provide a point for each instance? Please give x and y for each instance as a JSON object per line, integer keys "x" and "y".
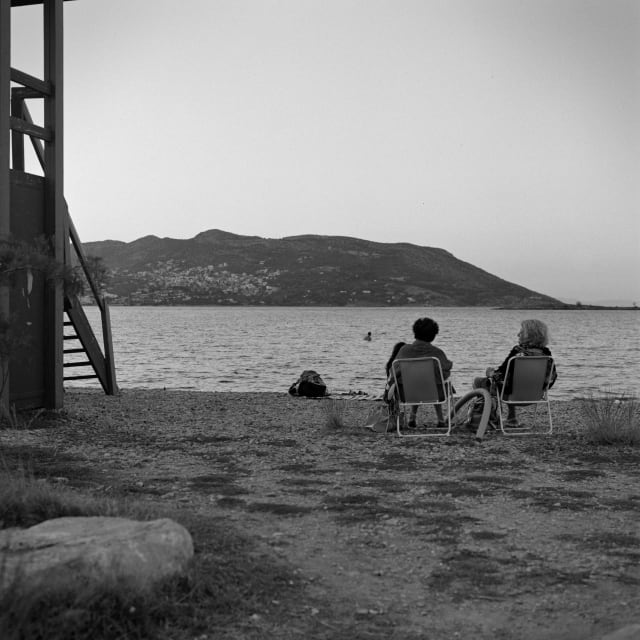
{"x": 335, "y": 412}
{"x": 612, "y": 418}
{"x": 26, "y": 500}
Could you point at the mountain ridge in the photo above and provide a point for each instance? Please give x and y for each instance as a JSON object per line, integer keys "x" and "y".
{"x": 219, "y": 267}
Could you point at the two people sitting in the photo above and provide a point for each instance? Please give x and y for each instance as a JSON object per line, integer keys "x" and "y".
{"x": 533, "y": 339}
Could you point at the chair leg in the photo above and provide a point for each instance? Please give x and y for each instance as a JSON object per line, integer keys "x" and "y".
{"x": 500, "y": 416}
{"x": 550, "y": 418}
{"x": 527, "y": 431}
{"x": 407, "y": 410}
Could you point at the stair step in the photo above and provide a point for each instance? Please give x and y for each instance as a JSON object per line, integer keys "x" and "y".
{"x": 85, "y": 337}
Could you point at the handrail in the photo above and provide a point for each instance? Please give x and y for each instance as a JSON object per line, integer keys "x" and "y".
{"x": 41, "y": 86}
{"x": 75, "y": 241}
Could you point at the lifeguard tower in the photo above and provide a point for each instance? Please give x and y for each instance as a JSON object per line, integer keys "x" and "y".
{"x": 61, "y": 343}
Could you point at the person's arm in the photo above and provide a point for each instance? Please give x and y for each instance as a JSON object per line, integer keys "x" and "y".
{"x": 502, "y": 369}
{"x": 554, "y": 373}
{"x": 446, "y": 364}
{"x": 554, "y": 376}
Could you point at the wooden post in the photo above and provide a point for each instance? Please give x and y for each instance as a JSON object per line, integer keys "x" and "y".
{"x": 5, "y": 178}
{"x": 5, "y": 97}
{"x": 54, "y": 198}
{"x": 112, "y": 387}
{"x": 17, "y": 138}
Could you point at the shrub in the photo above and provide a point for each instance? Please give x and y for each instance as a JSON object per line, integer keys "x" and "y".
{"x": 611, "y": 419}
{"x": 22, "y": 264}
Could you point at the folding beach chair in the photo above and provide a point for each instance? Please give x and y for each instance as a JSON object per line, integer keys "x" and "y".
{"x": 526, "y": 382}
{"x": 420, "y": 382}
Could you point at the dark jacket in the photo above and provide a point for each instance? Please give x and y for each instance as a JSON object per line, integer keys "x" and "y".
{"x": 522, "y": 350}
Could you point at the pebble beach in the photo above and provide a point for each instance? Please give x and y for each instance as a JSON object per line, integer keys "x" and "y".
{"x": 446, "y": 536}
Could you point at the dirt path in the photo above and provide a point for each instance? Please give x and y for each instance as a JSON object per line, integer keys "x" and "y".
{"x": 532, "y": 538}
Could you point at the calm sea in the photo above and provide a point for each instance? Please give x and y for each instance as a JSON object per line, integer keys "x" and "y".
{"x": 266, "y": 348}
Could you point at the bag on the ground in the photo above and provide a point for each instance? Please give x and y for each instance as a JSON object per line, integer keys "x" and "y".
{"x": 309, "y": 385}
{"x": 474, "y": 413}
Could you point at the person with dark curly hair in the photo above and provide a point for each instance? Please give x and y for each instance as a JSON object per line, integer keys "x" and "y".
{"x": 533, "y": 339}
{"x": 425, "y": 330}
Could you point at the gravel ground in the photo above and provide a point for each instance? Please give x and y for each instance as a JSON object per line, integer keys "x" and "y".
{"x": 530, "y": 537}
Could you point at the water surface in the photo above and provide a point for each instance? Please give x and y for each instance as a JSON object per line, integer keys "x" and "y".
{"x": 266, "y": 348}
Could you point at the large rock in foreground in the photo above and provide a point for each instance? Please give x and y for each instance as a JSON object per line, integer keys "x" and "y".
{"x": 84, "y": 552}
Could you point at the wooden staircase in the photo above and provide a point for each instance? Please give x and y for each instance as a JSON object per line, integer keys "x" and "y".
{"x": 80, "y": 336}
{"x": 81, "y": 339}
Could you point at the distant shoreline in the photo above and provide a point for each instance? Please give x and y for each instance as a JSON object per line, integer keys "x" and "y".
{"x": 568, "y": 307}
{"x": 571, "y": 307}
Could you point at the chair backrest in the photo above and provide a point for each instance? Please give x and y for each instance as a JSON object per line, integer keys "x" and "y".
{"x": 419, "y": 380}
{"x": 527, "y": 378}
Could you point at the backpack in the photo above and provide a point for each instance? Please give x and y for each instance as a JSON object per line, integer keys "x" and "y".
{"x": 309, "y": 384}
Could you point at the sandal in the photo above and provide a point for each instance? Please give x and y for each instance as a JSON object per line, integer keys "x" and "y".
{"x": 513, "y": 423}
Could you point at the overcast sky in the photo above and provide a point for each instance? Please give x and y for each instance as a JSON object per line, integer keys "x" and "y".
{"x": 504, "y": 131}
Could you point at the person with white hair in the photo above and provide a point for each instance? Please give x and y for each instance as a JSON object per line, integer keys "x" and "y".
{"x": 533, "y": 339}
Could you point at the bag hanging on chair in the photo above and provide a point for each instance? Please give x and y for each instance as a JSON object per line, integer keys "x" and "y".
{"x": 378, "y": 419}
